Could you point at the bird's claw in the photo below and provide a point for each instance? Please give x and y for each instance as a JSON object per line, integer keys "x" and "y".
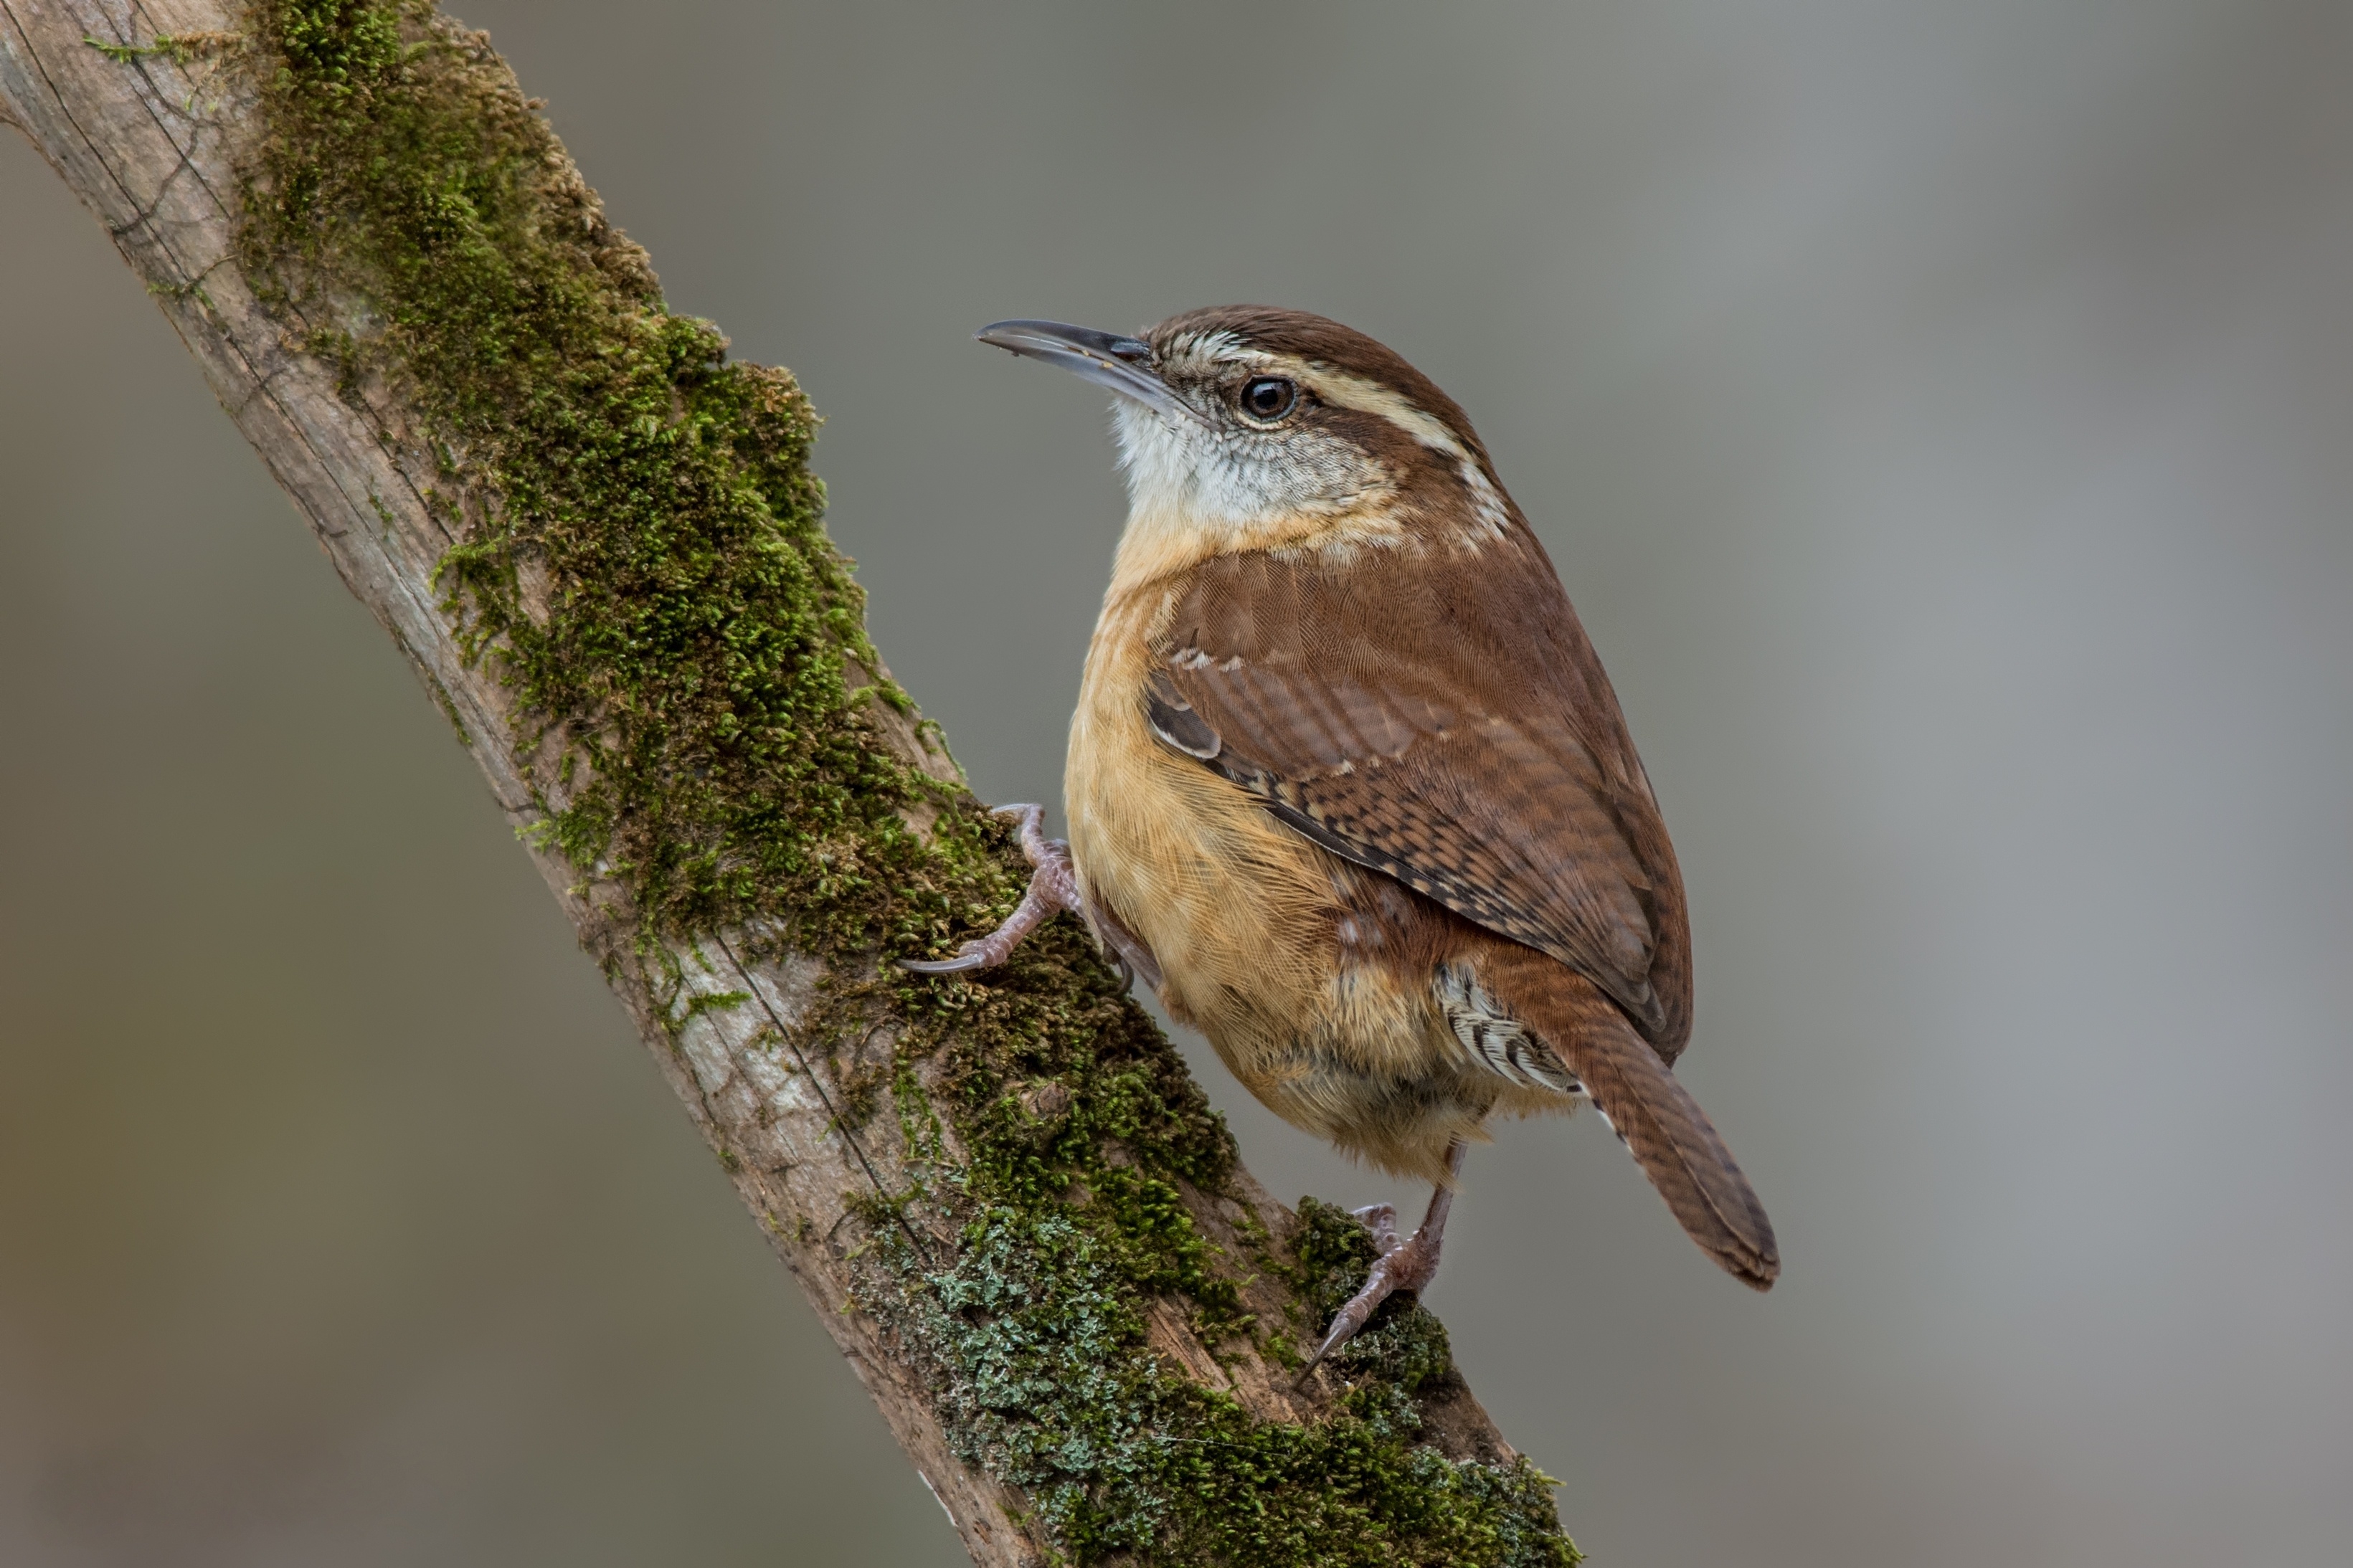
{"x": 1405, "y": 1265}
{"x": 966, "y": 959}
{"x": 1053, "y": 888}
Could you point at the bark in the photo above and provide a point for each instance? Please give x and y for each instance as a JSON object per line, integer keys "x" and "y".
{"x": 152, "y": 137}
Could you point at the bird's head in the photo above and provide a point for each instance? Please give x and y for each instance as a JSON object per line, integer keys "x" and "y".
{"x": 1244, "y": 427}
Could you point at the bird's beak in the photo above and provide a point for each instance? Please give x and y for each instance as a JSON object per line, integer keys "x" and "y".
{"x": 1123, "y": 365}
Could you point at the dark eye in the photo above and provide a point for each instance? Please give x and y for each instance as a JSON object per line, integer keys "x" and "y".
{"x": 1270, "y": 397}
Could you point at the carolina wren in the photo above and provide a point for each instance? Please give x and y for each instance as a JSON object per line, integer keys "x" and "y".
{"x": 1348, "y": 788}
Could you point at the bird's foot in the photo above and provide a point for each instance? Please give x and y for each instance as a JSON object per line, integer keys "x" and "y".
{"x": 1407, "y": 1264}
{"x": 1053, "y": 888}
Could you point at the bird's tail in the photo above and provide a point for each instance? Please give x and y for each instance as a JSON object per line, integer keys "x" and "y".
{"x": 1669, "y": 1135}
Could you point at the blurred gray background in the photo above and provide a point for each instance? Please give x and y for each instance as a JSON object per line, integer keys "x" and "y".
{"x": 1943, "y": 417}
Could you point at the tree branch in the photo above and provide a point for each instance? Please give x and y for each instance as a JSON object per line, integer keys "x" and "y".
{"x": 596, "y": 538}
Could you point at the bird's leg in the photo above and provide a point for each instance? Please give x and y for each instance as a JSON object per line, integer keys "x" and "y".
{"x": 1407, "y": 1264}
{"x": 1053, "y": 888}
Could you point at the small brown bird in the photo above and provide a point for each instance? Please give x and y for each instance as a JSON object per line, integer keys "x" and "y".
{"x": 1348, "y": 788}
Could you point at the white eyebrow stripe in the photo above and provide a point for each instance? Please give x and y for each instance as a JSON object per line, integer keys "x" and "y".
{"x": 1331, "y": 384}
{"x": 1347, "y": 391}
{"x": 1337, "y": 386}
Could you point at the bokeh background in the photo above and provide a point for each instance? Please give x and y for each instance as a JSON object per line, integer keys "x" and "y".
{"x": 1943, "y": 417}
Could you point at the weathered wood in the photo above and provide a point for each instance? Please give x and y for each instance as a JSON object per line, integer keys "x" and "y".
{"x": 151, "y": 139}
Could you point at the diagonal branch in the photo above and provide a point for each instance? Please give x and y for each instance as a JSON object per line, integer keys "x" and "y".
{"x": 596, "y": 539}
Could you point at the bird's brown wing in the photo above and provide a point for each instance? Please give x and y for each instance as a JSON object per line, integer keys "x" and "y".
{"x": 1439, "y": 716}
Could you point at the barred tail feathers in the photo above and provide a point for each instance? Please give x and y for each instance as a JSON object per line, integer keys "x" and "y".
{"x": 1671, "y": 1137}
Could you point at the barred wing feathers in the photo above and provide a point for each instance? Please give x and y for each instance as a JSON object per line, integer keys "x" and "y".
{"x": 1439, "y": 716}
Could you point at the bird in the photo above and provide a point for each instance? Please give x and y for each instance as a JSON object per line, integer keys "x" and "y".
{"x": 1348, "y": 788}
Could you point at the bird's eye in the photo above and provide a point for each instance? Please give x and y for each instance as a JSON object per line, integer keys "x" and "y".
{"x": 1270, "y": 397}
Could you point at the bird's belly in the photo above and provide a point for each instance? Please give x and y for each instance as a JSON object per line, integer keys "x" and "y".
{"x": 1243, "y": 916}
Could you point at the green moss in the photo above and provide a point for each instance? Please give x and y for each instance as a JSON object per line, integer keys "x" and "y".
{"x": 637, "y": 555}
{"x": 1050, "y": 1385}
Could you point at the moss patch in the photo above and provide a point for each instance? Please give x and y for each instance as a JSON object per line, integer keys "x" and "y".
{"x": 1050, "y": 1387}
{"x": 638, "y": 547}
{"x": 637, "y": 554}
